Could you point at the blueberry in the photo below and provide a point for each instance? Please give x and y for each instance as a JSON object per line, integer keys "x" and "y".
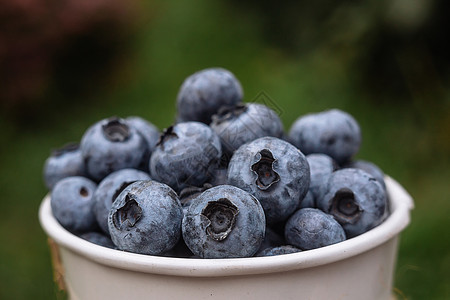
{"x": 244, "y": 123}
{"x": 110, "y": 145}
{"x": 224, "y": 222}
{"x": 149, "y": 132}
{"x": 146, "y": 218}
{"x": 109, "y": 188}
{"x": 204, "y": 92}
{"x": 98, "y": 239}
{"x": 72, "y": 203}
{"x": 280, "y": 250}
{"x": 186, "y": 155}
{"x": 332, "y": 132}
{"x": 64, "y": 162}
{"x": 356, "y": 200}
{"x": 275, "y": 172}
{"x": 370, "y": 168}
{"x": 311, "y": 228}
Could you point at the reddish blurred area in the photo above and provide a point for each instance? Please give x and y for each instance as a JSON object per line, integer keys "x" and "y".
{"x": 37, "y": 39}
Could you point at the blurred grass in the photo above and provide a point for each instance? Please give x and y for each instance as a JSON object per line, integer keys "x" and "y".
{"x": 407, "y": 138}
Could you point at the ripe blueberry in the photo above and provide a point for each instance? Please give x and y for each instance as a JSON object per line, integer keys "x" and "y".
{"x": 146, "y": 218}
{"x": 275, "y": 172}
{"x": 224, "y": 222}
{"x": 204, "y": 92}
{"x": 110, "y": 145}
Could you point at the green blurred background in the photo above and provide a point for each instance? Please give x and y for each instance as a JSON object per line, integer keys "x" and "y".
{"x": 66, "y": 64}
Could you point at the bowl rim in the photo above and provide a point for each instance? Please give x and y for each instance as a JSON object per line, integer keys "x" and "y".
{"x": 400, "y": 204}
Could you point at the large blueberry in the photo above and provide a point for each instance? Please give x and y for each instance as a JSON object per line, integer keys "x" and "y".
{"x": 72, "y": 203}
{"x": 204, "y": 92}
{"x": 332, "y": 132}
{"x": 186, "y": 155}
{"x": 275, "y": 172}
{"x": 244, "y": 123}
{"x": 109, "y": 188}
{"x": 224, "y": 222}
{"x": 64, "y": 162}
{"x": 146, "y": 218}
{"x": 311, "y": 228}
{"x": 356, "y": 200}
{"x": 110, "y": 145}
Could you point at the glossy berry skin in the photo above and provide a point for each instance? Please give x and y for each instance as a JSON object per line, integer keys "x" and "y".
{"x": 332, "y": 132}
{"x": 64, "y": 162}
{"x": 204, "y": 92}
{"x": 224, "y": 222}
{"x": 370, "y": 168}
{"x": 146, "y": 218}
{"x": 72, "y": 203}
{"x": 355, "y": 199}
{"x": 98, "y": 239}
{"x": 244, "y": 123}
{"x": 273, "y": 171}
{"x": 110, "y": 145}
{"x": 280, "y": 250}
{"x": 186, "y": 155}
{"x": 311, "y": 228}
{"x": 149, "y": 132}
{"x": 109, "y": 188}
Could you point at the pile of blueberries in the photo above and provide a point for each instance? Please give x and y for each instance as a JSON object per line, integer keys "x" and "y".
{"x": 224, "y": 181}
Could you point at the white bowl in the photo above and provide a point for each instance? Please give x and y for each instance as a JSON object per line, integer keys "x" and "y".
{"x": 358, "y": 268}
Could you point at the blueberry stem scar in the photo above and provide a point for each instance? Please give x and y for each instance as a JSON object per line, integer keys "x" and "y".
{"x": 222, "y": 216}
{"x": 263, "y": 168}
{"x": 84, "y": 192}
{"x": 344, "y": 206}
{"x": 166, "y": 135}
{"x": 115, "y": 130}
{"x": 229, "y": 112}
{"x": 128, "y": 215}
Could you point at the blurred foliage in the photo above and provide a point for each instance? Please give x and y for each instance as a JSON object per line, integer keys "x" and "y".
{"x": 65, "y": 65}
{"x": 59, "y": 47}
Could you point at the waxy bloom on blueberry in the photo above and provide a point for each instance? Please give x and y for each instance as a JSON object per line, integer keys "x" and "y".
{"x": 224, "y": 222}
{"x": 64, "y": 162}
{"x": 355, "y": 199}
{"x": 244, "y": 123}
{"x": 311, "y": 228}
{"x": 275, "y": 172}
{"x": 186, "y": 155}
{"x": 332, "y": 132}
{"x": 72, "y": 203}
{"x": 146, "y": 218}
{"x": 203, "y": 93}
{"x": 110, "y": 145}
